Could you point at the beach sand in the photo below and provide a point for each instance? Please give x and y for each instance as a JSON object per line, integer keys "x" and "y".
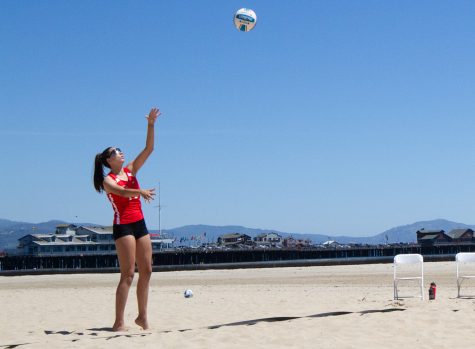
{"x": 348, "y": 306}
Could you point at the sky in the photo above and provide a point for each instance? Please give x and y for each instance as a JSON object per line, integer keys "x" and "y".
{"x": 330, "y": 117}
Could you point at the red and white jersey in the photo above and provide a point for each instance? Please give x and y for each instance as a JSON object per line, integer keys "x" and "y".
{"x": 126, "y": 210}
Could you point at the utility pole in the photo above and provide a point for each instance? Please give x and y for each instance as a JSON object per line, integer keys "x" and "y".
{"x": 159, "y": 209}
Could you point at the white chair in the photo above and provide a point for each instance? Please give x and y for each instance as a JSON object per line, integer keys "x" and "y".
{"x": 463, "y": 273}
{"x": 406, "y": 268}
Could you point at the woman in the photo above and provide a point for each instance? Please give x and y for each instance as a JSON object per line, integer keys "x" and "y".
{"x": 130, "y": 233}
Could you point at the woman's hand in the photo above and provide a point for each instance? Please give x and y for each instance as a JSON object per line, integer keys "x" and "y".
{"x": 153, "y": 115}
{"x": 147, "y": 194}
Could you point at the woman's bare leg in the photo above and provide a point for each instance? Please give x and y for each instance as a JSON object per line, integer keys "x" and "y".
{"x": 144, "y": 266}
{"x": 126, "y": 253}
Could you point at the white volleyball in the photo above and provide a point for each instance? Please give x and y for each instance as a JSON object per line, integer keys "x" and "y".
{"x": 245, "y": 19}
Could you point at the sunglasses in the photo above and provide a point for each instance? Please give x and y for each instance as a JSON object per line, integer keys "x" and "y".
{"x": 114, "y": 152}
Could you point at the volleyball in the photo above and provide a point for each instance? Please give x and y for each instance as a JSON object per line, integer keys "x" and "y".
{"x": 245, "y": 19}
{"x": 188, "y": 294}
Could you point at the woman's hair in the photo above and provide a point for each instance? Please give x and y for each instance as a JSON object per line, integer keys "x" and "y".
{"x": 99, "y": 162}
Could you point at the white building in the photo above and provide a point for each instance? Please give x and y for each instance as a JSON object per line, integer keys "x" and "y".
{"x": 268, "y": 239}
{"x": 71, "y": 240}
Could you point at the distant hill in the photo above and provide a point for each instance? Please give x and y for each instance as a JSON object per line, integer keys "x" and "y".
{"x": 11, "y": 231}
{"x": 6, "y": 223}
{"x": 406, "y": 233}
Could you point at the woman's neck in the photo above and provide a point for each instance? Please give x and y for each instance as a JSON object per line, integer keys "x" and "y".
{"x": 117, "y": 171}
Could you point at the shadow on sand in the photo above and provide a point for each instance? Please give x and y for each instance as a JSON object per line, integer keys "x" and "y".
{"x": 288, "y": 318}
{"x": 94, "y": 332}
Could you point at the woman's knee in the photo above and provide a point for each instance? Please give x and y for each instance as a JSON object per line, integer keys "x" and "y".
{"x": 145, "y": 271}
{"x": 127, "y": 277}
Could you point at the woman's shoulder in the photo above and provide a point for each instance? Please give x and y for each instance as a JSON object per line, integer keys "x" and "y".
{"x": 112, "y": 178}
{"x": 128, "y": 172}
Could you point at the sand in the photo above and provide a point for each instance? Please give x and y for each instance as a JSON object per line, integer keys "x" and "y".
{"x": 308, "y": 307}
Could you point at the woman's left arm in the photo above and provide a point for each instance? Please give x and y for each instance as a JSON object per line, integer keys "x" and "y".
{"x": 135, "y": 165}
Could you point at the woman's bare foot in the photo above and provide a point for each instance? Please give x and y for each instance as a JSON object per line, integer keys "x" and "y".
{"x": 142, "y": 323}
{"x": 119, "y": 327}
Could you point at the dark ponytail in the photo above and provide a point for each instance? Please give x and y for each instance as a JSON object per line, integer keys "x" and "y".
{"x": 99, "y": 162}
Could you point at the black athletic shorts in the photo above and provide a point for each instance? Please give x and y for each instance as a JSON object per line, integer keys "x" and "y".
{"x": 137, "y": 229}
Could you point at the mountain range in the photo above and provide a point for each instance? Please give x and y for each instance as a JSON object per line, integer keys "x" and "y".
{"x": 11, "y": 231}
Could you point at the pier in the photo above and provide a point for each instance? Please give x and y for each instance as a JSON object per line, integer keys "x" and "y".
{"x": 224, "y": 259}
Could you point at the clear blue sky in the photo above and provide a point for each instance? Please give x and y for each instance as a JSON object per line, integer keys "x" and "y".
{"x": 332, "y": 117}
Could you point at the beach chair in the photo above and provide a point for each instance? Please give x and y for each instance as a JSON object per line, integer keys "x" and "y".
{"x": 464, "y": 272}
{"x": 406, "y": 268}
